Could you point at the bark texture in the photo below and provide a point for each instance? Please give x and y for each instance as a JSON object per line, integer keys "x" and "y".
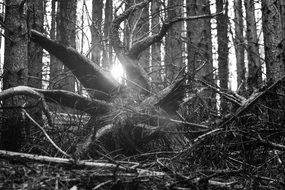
{"x": 15, "y": 73}
{"x": 254, "y": 65}
{"x": 173, "y": 42}
{"x": 223, "y": 50}
{"x": 272, "y": 31}
{"x": 239, "y": 45}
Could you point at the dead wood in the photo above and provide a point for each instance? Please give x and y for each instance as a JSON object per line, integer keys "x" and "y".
{"x": 88, "y": 73}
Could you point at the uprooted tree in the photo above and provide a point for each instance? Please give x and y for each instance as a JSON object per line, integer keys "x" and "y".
{"x": 129, "y": 114}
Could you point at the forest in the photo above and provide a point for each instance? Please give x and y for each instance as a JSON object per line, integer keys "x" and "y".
{"x": 142, "y": 94}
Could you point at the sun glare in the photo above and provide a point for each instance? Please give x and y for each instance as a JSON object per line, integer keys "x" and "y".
{"x": 117, "y": 71}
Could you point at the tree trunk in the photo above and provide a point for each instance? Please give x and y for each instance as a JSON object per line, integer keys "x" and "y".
{"x": 282, "y": 44}
{"x": 55, "y": 66}
{"x": 67, "y": 27}
{"x": 36, "y": 21}
{"x": 254, "y": 65}
{"x": 173, "y": 43}
{"x": 142, "y": 31}
{"x": 200, "y": 45}
{"x": 156, "y": 69}
{"x": 239, "y": 45}
{"x": 223, "y": 50}
{"x": 15, "y": 73}
{"x": 96, "y": 32}
{"x": 272, "y": 31}
{"x": 107, "y": 54}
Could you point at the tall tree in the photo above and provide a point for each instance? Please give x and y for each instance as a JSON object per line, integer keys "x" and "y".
{"x": 282, "y": 43}
{"x": 55, "y": 65}
{"x": 223, "y": 50}
{"x": 142, "y": 30}
{"x": 15, "y": 72}
{"x": 239, "y": 44}
{"x": 155, "y": 68}
{"x": 67, "y": 35}
{"x": 254, "y": 65}
{"x": 63, "y": 30}
{"x": 107, "y": 54}
{"x": 173, "y": 43}
{"x": 272, "y": 30}
{"x": 96, "y": 32}
{"x": 199, "y": 46}
{"x": 36, "y": 21}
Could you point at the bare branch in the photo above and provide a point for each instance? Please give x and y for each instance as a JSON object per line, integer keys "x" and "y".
{"x": 148, "y": 41}
{"x": 62, "y": 97}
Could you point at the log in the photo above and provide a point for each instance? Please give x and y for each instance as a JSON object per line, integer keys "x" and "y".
{"x": 23, "y": 157}
{"x": 88, "y": 73}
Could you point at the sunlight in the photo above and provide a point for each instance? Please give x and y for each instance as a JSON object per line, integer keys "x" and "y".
{"x": 117, "y": 71}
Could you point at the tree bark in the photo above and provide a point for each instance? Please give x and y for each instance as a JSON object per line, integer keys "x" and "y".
{"x": 239, "y": 45}
{"x": 156, "y": 68}
{"x": 199, "y": 47}
{"x": 254, "y": 79}
{"x": 107, "y": 54}
{"x": 282, "y": 43}
{"x": 66, "y": 29}
{"x": 223, "y": 50}
{"x": 173, "y": 43}
{"x": 36, "y": 20}
{"x": 96, "y": 32}
{"x": 272, "y": 31}
{"x": 15, "y": 73}
{"x": 92, "y": 77}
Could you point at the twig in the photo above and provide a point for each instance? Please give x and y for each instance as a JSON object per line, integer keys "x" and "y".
{"x": 45, "y": 133}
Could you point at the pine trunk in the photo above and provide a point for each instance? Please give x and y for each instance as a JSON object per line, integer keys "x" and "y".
{"x": 15, "y": 74}
{"x": 155, "y": 69}
{"x": 173, "y": 43}
{"x": 199, "y": 45}
{"x": 254, "y": 65}
{"x": 223, "y": 50}
{"x": 96, "y": 32}
{"x": 239, "y": 45}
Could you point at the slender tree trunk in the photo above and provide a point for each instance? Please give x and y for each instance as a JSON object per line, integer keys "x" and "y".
{"x": 223, "y": 50}
{"x": 55, "y": 65}
{"x": 156, "y": 68}
{"x": 272, "y": 30}
{"x": 282, "y": 43}
{"x": 107, "y": 54}
{"x": 96, "y": 32}
{"x": 142, "y": 30}
{"x": 173, "y": 43}
{"x": 36, "y": 19}
{"x": 15, "y": 73}
{"x": 200, "y": 45}
{"x": 254, "y": 65}
{"x": 67, "y": 27}
{"x": 239, "y": 45}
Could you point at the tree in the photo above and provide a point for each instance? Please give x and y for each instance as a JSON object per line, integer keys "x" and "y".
{"x": 272, "y": 30}
{"x": 200, "y": 64}
{"x": 173, "y": 42}
{"x": 156, "y": 68}
{"x": 282, "y": 43}
{"x": 36, "y": 19}
{"x": 96, "y": 32}
{"x": 63, "y": 29}
{"x": 239, "y": 45}
{"x": 223, "y": 50}
{"x": 107, "y": 54}
{"x": 126, "y": 125}
{"x": 254, "y": 65}
{"x": 15, "y": 73}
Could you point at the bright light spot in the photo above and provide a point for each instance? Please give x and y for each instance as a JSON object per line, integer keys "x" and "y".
{"x": 117, "y": 71}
